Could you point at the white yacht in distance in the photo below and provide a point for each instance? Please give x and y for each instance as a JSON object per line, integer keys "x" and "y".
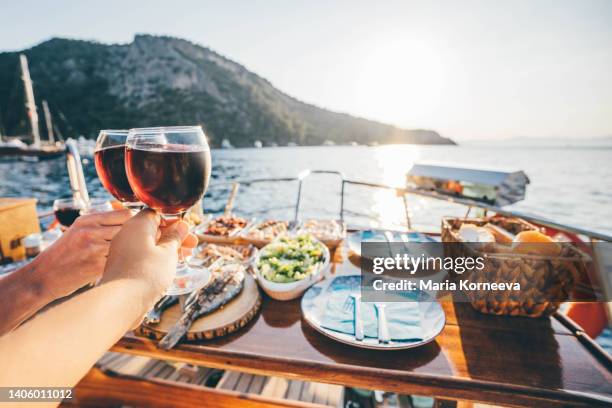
{"x": 226, "y": 144}
{"x": 258, "y": 144}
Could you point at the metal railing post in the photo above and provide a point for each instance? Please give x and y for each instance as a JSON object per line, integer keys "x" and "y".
{"x": 342, "y": 200}
{"x": 407, "y": 211}
{"x": 297, "y": 202}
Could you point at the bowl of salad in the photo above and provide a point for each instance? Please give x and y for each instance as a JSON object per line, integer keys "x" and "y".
{"x": 290, "y": 264}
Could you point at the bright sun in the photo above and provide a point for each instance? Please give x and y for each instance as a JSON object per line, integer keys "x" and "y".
{"x": 401, "y": 78}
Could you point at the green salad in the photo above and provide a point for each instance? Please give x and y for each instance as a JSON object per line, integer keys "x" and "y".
{"x": 290, "y": 259}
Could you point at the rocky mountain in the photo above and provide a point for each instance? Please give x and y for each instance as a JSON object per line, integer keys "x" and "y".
{"x": 168, "y": 81}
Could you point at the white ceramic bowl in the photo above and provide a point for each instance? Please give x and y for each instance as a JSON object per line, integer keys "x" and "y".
{"x": 291, "y": 290}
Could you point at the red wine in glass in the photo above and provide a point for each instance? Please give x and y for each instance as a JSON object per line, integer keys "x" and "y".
{"x": 67, "y": 210}
{"x": 168, "y": 178}
{"x": 67, "y": 216}
{"x": 110, "y": 165}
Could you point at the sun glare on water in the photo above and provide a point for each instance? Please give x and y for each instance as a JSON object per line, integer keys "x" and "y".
{"x": 392, "y": 162}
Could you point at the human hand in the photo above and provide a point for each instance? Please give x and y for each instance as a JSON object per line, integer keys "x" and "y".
{"x": 147, "y": 253}
{"x": 78, "y": 257}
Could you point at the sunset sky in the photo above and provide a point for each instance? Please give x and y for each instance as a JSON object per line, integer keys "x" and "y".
{"x": 468, "y": 69}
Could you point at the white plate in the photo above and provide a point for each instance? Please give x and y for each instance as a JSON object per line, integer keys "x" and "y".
{"x": 314, "y": 302}
{"x": 378, "y": 235}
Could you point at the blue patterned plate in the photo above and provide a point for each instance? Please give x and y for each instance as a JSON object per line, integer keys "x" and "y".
{"x": 314, "y": 305}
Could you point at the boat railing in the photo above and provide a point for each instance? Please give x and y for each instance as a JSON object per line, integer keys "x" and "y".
{"x": 79, "y": 188}
{"x": 405, "y": 191}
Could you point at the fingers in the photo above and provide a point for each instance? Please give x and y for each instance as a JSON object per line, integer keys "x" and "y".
{"x": 107, "y": 218}
{"x": 186, "y": 252}
{"x": 108, "y": 233}
{"x": 173, "y": 236}
{"x": 144, "y": 225}
{"x": 191, "y": 241}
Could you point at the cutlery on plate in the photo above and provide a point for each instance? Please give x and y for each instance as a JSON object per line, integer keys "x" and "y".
{"x": 353, "y": 302}
{"x": 383, "y": 329}
{"x": 389, "y": 238}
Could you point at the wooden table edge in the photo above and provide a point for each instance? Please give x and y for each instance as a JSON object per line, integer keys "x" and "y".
{"x": 387, "y": 380}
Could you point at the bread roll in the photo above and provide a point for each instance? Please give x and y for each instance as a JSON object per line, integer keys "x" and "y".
{"x": 501, "y": 235}
{"x": 472, "y": 233}
{"x": 535, "y": 243}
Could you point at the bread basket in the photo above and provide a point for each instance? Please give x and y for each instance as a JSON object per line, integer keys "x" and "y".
{"x": 545, "y": 281}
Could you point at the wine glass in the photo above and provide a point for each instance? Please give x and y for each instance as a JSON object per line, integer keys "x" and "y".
{"x": 97, "y": 205}
{"x": 109, "y": 157}
{"x": 169, "y": 169}
{"x": 67, "y": 210}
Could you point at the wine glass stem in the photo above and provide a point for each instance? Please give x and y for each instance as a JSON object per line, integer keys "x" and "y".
{"x": 182, "y": 263}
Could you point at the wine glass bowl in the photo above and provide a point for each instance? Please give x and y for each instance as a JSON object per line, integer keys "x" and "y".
{"x": 97, "y": 205}
{"x": 67, "y": 210}
{"x": 109, "y": 158}
{"x": 168, "y": 168}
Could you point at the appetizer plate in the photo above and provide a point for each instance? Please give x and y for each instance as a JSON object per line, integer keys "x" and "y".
{"x": 314, "y": 302}
{"x": 380, "y": 235}
{"x": 291, "y": 290}
{"x": 330, "y": 242}
{"x": 233, "y": 238}
{"x": 259, "y": 243}
{"x": 228, "y": 319}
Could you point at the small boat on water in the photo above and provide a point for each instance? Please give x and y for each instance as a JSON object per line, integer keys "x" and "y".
{"x": 14, "y": 146}
{"x": 258, "y": 144}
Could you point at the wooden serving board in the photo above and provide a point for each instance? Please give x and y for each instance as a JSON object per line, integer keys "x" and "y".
{"x": 228, "y": 319}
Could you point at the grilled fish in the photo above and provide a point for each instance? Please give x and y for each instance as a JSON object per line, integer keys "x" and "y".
{"x": 154, "y": 315}
{"x": 226, "y": 284}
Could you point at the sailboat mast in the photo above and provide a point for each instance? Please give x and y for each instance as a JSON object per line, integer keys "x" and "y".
{"x": 48, "y": 122}
{"x": 30, "y": 103}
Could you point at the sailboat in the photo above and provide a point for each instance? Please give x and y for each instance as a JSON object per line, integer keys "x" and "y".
{"x": 37, "y": 149}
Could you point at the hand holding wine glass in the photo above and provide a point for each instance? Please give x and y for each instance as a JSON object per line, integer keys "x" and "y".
{"x": 168, "y": 169}
{"x": 145, "y": 252}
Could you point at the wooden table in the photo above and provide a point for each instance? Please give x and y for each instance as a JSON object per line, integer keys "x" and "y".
{"x": 504, "y": 360}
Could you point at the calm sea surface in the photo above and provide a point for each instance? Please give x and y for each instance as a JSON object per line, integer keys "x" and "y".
{"x": 568, "y": 185}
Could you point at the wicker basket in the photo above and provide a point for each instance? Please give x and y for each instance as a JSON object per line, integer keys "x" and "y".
{"x": 546, "y": 281}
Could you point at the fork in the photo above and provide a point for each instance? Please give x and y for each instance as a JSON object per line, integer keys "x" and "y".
{"x": 383, "y": 329}
{"x": 353, "y": 302}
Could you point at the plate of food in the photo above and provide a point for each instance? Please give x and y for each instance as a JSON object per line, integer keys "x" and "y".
{"x": 223, "y": 229}
{"x": 330, "y": 232}
{"x": 263, "y": 232}
{"x": 289, "y": 265}
{"x": 227, "y": 303}
{"x": 207, "y": 254}
{"x": 412, "y": 319}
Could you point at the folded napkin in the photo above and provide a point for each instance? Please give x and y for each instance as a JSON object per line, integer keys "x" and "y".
{"x": 403, "y": 319}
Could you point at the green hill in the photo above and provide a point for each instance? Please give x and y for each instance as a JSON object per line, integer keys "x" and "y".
{"x": 168, "y": 81}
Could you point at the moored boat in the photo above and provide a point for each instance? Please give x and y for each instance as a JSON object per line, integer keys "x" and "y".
{"x": 37, "y": 149}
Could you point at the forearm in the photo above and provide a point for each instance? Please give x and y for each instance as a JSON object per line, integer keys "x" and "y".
{"x": 59, "y": 346}
{"x": 27, "y": 291}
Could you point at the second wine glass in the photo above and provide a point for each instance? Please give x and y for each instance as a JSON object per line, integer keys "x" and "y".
{"x": 169, "y": 169}
{"x": 109, "y": 157}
